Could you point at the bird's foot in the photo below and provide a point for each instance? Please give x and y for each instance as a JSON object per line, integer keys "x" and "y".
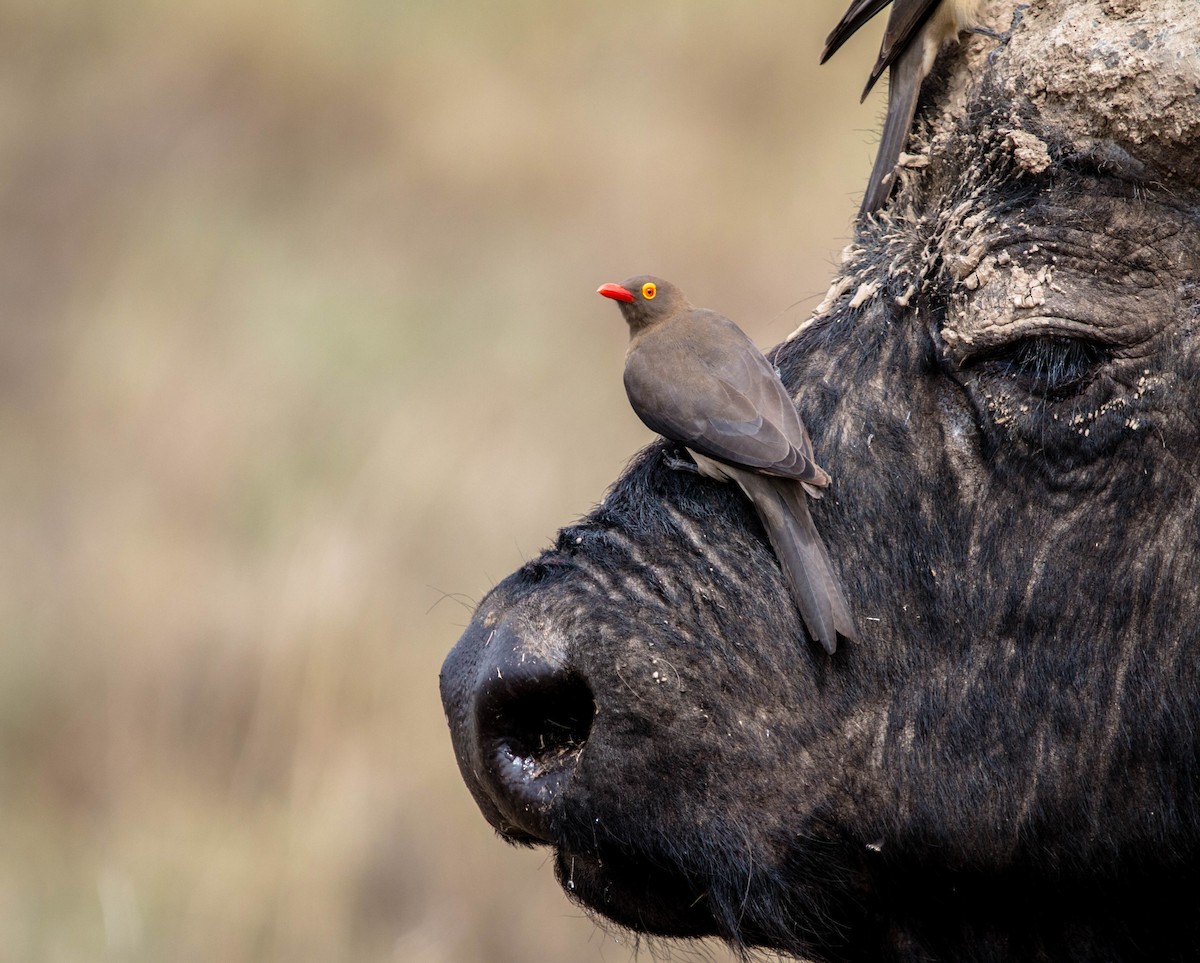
{"x": 673, "y": 461}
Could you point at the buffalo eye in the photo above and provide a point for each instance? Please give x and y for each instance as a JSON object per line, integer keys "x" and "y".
{"x": 1051, "y": 367}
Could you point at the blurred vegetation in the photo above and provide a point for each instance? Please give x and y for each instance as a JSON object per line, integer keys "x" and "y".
{"x": 300, "y": 353}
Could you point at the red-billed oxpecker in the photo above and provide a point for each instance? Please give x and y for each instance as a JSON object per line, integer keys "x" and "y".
{"x": 916, "y": 31}
{"x": 694, "y": 377}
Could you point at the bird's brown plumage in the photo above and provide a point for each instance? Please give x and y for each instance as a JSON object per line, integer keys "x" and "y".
{"x": 694, "y": 377}
{"x": 915, "y": 32}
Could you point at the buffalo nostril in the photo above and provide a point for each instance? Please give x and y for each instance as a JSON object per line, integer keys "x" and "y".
{"x": 543, "y": 722}
{"x": 532, "y": 722}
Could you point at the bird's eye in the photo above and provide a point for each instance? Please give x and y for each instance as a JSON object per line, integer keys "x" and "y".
{"x": 649, "y": 290}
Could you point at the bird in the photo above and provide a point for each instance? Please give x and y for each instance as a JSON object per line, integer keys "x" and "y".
{"x": 916, "y": 31}
{"x": 694, "y": 377}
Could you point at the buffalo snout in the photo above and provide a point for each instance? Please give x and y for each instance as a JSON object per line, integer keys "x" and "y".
{"x": 519, "y": 717}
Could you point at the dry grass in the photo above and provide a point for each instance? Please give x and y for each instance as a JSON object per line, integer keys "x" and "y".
{"x": 299, "y": 354}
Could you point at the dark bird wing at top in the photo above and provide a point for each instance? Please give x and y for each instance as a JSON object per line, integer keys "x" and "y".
{"x": 904, "y": 24}
{"x": 915, "y": 32}
{"x": 723, "y": 400}
{"x": 859, "y": 13}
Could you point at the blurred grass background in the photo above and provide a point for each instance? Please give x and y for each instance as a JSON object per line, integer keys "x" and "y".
{"x": 300, "y": 353}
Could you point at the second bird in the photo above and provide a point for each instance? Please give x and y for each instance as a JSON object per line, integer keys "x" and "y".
{"x": 916, "y": 30}
{"x": 694, "y": 377}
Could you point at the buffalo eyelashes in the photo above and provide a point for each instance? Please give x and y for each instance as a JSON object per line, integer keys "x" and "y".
{"x": 649, "y": 290}
{"x": 1052, "y": 367}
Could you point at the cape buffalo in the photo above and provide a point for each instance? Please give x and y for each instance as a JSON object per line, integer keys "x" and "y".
{"x": 1004, "y": 383}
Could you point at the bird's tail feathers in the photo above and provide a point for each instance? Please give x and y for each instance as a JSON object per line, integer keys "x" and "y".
{"x": 784, "y": 512}
{"x": 904, "y": 89}
{"x": 843, "y": 621}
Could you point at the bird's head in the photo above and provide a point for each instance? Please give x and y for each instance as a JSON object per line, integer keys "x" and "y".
{"x": 645, "y": 300}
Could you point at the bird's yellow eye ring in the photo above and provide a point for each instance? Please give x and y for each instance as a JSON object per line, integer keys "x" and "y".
{"x": 649, "y": 290}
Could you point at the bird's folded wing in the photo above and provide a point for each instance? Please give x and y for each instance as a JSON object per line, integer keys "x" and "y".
{"x": 906, "y": 20}
{"x": 859, "y": 13}
{"x": 741, "y": 423}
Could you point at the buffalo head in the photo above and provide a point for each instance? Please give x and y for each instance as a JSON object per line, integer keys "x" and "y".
{"x": 1004, "y": 384}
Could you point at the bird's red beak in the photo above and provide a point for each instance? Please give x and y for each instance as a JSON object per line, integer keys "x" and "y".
{"x": 614, "y": 291}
